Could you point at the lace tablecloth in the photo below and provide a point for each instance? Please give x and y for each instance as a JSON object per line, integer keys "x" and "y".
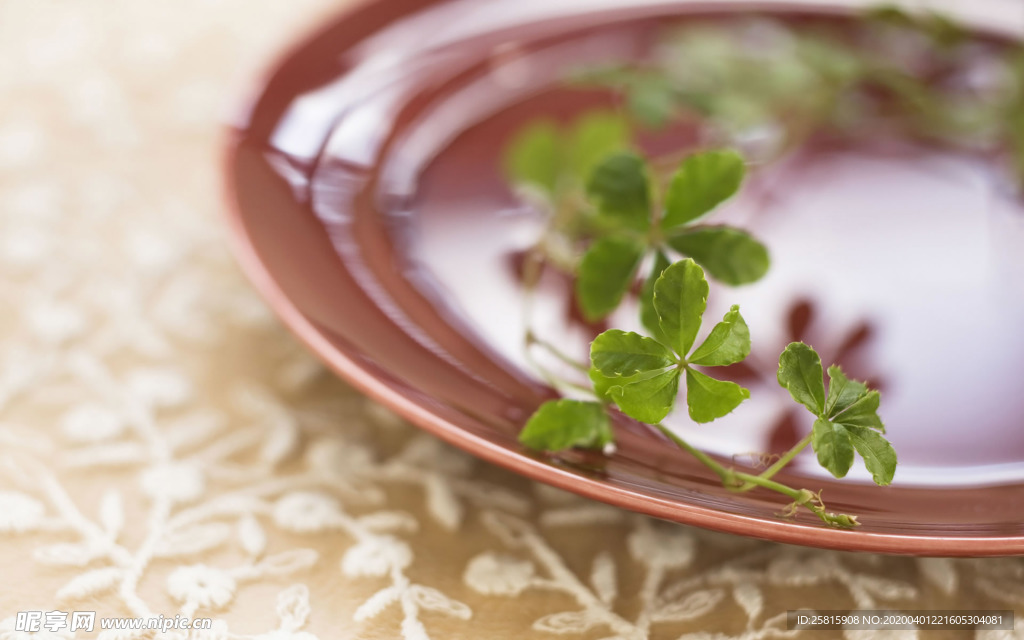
{"x": 166, "y": 447}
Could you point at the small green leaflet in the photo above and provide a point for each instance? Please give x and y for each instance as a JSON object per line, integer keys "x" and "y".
{"x": 703, "y": 181}
{"x": 620, "y": 190}
{"x": 625, "y": 353}
{"x": 847, "y": 417}
{"x": 833, "y": 445}
{"x": 648, "y": 398}
{"x": 863, "y": 412}
{"x": 708, "y": 399}
{"x": 651, "y": 99}
{"x": 800, "y": 373}
{"x": 534, "y": 156}
{"x": 879, "y": 456}
{"x": 550, "y": 158}
{"x": 730, "y": 255}
{"x": 603, "y": 384}
{"x": 605, "y": 274}
{"x": 680, "y": 297}
{"x": 592, "y": 137}
{"x": 728, "y": 343}
{"x": 842, "y": 392}
{"x": 561, "y": 424}
{"x": 641, "y": 375}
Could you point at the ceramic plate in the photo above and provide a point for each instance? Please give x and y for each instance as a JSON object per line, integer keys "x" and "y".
{"x": 367, "y": 205}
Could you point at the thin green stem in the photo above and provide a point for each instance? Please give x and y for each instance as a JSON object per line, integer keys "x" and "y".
{"x": 759, "y": 481}
{"x": 727, "y": 475}
{"x": 780, "y": 463}
{"x": 532, "y": 339}
{"x": 551, "y": 378}
{"x": 737, "y": 481}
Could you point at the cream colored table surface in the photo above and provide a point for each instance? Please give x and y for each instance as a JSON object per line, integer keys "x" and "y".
{"x": 166, "y": 447}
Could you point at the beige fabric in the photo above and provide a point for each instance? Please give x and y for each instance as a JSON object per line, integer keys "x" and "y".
{"x": 166, "y": 447}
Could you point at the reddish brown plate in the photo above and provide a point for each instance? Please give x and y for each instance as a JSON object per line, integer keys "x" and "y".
{"x": 364, "y": 183}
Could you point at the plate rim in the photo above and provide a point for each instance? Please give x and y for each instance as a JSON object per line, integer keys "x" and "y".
{"x": 341, "y": 362}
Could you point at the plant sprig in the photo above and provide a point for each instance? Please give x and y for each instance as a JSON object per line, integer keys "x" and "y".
{"x": 846, "y": 419}
{"x": 765, "y": 82}
{"x": 618, "y": 219}
{"x": 617, "y": 215}
{"x": 639, "y": 375}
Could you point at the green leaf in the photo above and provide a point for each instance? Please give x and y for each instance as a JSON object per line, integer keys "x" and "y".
{"x": 728, "y": 343}
{"x": 651, "y": 99}
{"x": 709, "y": 399}
{"x": 863, "y": 413}
{"x": 879, "y": 456}
{"x": 730, "y": 255}
{"x": 648, "y": 314}
{"x": 702, "y": 182}
{"x": 648, "y": 398}
{"x": 534, "y": 156}
{"x": 833, "y": 445}
{"x": 842, "y": 392}
{"x": 620, "y": 190}
{"x": 593, "y": 137}
{"x": 602, "y": 383}
{"x": 624, "y": 353}
{"x": 800, "y": 373}
{"x": 680, "y": 297}
{"x": 605, "y": 274}
{"x": 560, "y": 424}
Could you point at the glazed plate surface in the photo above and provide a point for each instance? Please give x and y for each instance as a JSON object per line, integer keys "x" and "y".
{"x": 368, "y": 207}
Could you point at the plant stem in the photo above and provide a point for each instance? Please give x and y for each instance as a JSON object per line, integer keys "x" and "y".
{"x": 727, "y": 475}
{"x": 760, "y": 481}
{"x": 553, "y": 379}
{"x": 779, "y": 464}
{"x": 738, "y": 481}
{"x": 532, "y": 339}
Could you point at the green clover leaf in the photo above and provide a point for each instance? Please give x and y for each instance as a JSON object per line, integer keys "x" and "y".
{"x": 605, "y": 274}
{"x": 641, "y": 374}
{"x": 800, "y": 373}
{"x": 847, "y": 418}
{"x": 842, "y": 392}
{"x": 730, "y": 255}
{"x": 620, "y": 189}
{"x": 879, "y": 456}
{"x": 703, "y": 181}
{"x": 593, "y": 137}
{"x": 561, "y": 424}
{"x": 648, "y": 397}
{"x": 680, "y": 297}
{"x": 863, "y": 412}
{"x": 553, "y": 158}
{"x": 709, "y": 399}
{"x": 618, "y": 353}
{"x": 534, "y": 156}
{"x": 833, "y": 445}
{"x": 728, "y": 343}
